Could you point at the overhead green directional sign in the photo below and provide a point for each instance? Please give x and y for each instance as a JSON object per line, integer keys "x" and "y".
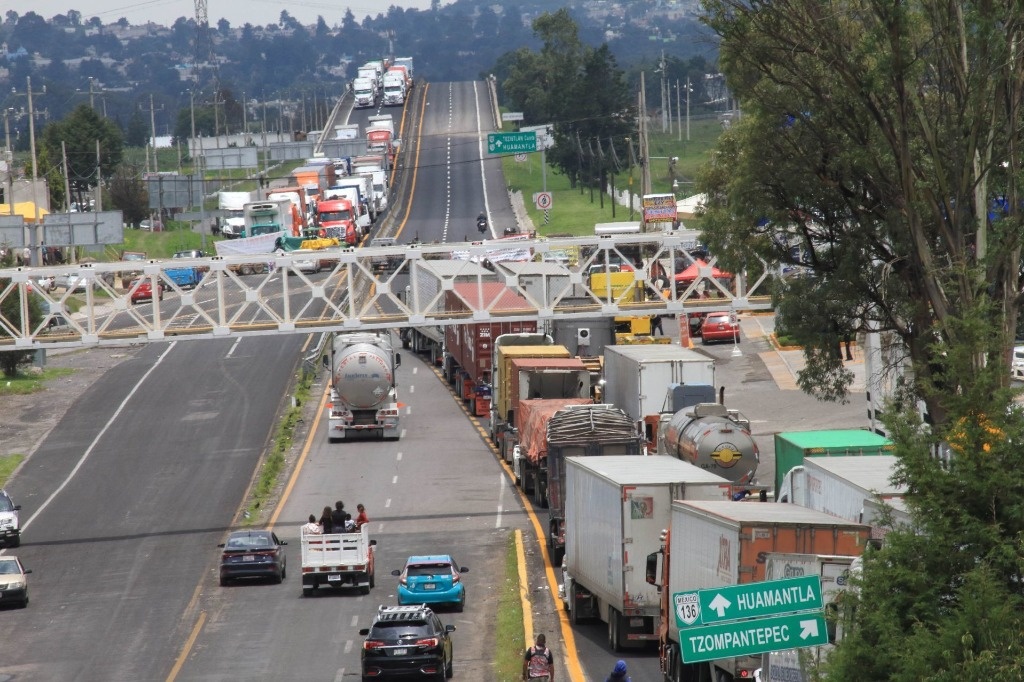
{"x": 511, "y": 143}
{"x": 750, "y": 600}
{"x": 750, "y": 637}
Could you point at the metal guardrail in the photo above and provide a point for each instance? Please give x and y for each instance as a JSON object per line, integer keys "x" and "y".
{"x": 546, "y": 279}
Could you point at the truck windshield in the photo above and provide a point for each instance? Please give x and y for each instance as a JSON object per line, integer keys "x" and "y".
{"x": 335, "y": 216}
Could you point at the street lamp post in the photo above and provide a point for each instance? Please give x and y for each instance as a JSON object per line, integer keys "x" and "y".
{"x": 37, "y": 247}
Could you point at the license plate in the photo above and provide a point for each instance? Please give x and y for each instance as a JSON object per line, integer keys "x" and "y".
{"x": 248, "y": 557}
{"x": 334, "y": 578}
{"x": 429, "y": 586}
{"x": 400, "y": 652}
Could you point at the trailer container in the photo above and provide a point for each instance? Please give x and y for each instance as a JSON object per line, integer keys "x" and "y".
{"x": 791, "y": 448}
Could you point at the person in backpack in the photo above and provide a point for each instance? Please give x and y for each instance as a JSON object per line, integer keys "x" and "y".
{"x": 619, "y": 673}
{"x": 538, "y": 663}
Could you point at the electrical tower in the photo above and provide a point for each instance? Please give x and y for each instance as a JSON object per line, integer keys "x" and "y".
{"x": 204, "y": 48}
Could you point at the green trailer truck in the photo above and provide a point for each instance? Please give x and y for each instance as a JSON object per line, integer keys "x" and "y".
{"x": 791, "y": 448}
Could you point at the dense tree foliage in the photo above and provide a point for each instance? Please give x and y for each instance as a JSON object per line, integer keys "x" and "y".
{"x": 578, "y": 89}
{"x": 79, "y": 134}
{"x": 879, "y": 155}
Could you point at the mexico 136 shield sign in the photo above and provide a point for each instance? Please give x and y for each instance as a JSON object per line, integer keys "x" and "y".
{"x": 687, "y": 608}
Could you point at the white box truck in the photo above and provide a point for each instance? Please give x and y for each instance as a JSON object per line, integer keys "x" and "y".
{"x": 638, "y": 380}
{"x": 796, "y": 665}
{"x": 717, "y": 544}
{"x": 616, "y": 508}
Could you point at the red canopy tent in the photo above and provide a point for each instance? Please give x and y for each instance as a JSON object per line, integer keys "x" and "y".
{"x": 693, "y": 272}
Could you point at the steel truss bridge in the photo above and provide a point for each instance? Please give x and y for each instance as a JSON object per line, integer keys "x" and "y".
{"x": 372, "y": 288}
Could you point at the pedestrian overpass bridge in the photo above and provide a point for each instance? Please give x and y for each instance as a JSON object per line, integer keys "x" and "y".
{"x": 416, "y": 285}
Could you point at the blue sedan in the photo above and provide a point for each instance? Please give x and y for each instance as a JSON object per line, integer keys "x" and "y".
{"x": 431, "y": 579}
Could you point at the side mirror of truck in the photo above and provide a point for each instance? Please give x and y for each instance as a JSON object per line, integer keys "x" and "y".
{"x": 327, "y": 362}
{"x": 398, "y": 359}
{"x": 651, "y": 572}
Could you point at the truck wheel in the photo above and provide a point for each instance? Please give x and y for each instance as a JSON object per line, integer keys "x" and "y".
{"x": 365, "y": 589}
{"x": 244, "y": 270}
{"x": 574, "y": 615}
{"x": 259, "y": 269}
{"x": 372, "y": 581}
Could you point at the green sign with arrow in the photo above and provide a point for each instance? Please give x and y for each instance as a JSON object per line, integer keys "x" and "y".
{"x": 750, "y": 637}
{"x": 750, "y": 600}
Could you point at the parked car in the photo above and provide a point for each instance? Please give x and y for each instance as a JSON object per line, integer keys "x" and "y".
{"x": 142, "y": 290}
{"x": 70, "y": 282}
{"x": 152, "y": 225}
{"x": 407, "y": 641}
{"x": 720, "y": 326}
{"x": 10, "y": 526}
{"x": 431, "y": 579}
{"x": 13, "y": 583}
{"x": 57, "y": 325}
{"x": 252, "y": 554}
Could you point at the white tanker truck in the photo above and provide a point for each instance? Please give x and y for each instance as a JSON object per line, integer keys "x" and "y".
{"x": 363, "y": 395}
{"x": 713, "y": 438}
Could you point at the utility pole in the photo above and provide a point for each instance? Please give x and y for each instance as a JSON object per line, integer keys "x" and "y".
{"x": 152, "y": 124}
{"x": 37, "y": 250}
{"x": 9, "y": 160}
{"x": 688, "y": 88}
{"x": 664, "y": 111}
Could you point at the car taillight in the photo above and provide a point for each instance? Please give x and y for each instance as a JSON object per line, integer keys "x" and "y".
{"x": 455, "y": 578}
{"x": 429, "y": 641}
{"x": 371, "y": 644}
{"x": 404, "y": 581}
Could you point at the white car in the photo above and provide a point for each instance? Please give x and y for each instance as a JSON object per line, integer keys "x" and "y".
{"x": 13, "y": 583}
{"x": 309, "y": 266}
{"x": 10, "y": 528}
{"x": 1017, "y": 364}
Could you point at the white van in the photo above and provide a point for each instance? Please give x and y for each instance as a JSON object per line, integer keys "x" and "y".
{"x": 1017, "y": 364}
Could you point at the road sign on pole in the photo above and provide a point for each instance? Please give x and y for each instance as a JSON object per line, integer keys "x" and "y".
{"x": 750, "y": 600}
{"x": 511, "y": 143}
{"x": 542, "y": 200}
{"x": 750, "y": 637}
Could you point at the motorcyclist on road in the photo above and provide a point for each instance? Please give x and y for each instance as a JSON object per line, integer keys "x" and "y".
{"x": 481, "y": 222}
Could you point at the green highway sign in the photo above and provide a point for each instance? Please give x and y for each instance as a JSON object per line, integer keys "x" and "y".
{"x": 750, "y": 600}
{"x": 511, "y": 143}
{"x": 750, "y": 637}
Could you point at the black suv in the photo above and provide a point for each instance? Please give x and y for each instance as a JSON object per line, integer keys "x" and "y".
{"x": 407, "y": 641}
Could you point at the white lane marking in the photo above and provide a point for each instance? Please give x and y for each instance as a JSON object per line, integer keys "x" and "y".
{"x": 92, "y": 445}
{"x": 340, "y": 676}
{"x": 408, "y": 410}
{"x": 402, "y": 434}
{"x": 399, "y": 456}
{"x": 348, "y": 644}
{"x": 387, "y": 504}
{"x": 233, "y": 347}
{"x": 394, "y": 480}
{"x": 355, "y": 621}
{"x": 412, "y": 388}
{"x": 483, "y": 157}
{"x": 415, "y": 369}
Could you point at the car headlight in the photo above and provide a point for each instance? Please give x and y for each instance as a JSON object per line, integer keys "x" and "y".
{"x": 6, "y": 523}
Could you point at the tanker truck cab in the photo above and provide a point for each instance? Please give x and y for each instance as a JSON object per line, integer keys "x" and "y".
{"x": 363, "y": 399}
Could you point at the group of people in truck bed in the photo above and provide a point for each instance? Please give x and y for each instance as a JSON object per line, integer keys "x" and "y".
{"x": 336, "y": 520}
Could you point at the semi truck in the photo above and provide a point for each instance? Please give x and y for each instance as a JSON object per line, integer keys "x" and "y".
{"x": 800, "y": 665}
{"x": 270, "y": 217}
{"x": 716, "y": 544}
{"x": 712, "y": 437}
{"x": 407, "y": 63}
{"x": 844, "y": 487}
{"x": 793, "y": 447}
{"x": 468, "y": 348}
{"x": 364, "y": 396}
{"x": 364, "y": 90}
{"x": 614, "y": 508}
{"x": 394, "y": 88}
{"x": 507, "y": 348}
{"x": 639, "y": 377}
{"x": 577, "y": 430}
{"x": 232, "y": 224}
{"x": 338, "y": 560}
{"x": 336, "y": 219}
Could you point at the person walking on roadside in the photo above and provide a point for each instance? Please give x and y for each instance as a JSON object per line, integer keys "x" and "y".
{"x": 619, "y": 673}
{"x": 325, "y": 521}
{"x": 538, "y": 663}
{"x": 312, "y": 528}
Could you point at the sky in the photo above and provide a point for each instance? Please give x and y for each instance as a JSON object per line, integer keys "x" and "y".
{"x": 238, "y": 12}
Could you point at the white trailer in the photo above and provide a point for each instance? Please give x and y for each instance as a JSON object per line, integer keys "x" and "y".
{"x": 616, "y": 508}
{"x": 638, "y": 379}
{"x": 842, "y": 486}
{"x": 796, "y": 665}
{"x": 338, "y": 560}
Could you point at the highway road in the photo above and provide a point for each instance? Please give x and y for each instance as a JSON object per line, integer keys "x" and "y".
{"x": 128, "y": 497}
